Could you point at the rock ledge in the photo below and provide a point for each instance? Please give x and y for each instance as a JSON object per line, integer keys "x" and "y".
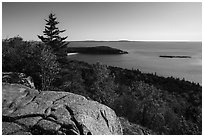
{"x": 26, "y": 111}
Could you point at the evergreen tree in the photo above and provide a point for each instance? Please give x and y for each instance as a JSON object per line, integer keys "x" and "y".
{"x": 52, "y": 38}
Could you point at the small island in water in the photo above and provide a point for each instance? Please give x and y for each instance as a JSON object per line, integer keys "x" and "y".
{"x": 174, "y": 56}
{"x": 95, "y": 50}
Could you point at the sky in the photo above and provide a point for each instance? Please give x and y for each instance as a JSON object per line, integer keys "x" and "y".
{"x": 106, "y": 21}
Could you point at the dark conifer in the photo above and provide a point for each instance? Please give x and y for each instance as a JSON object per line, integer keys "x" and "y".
{"x": 52, "y": 38}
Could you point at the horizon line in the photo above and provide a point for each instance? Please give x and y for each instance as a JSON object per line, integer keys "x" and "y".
{"x": 145, "y": 40}
{"x": 126, "y": 40}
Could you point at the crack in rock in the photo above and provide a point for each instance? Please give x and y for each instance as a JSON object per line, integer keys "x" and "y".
{"x": 78, "y": 125}
{"x": 104, "y": 117}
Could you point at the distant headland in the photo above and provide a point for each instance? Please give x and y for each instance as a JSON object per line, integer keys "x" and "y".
{"x": 95, "y": 50}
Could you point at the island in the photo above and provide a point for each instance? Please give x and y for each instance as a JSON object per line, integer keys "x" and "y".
{"x": 95, "y": 50}
{"x": 174, "y": 56}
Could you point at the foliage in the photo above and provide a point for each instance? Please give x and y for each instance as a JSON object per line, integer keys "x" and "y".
{"x": 72, "y": 81}
{"x": 13, "y": 53}
{"x": 30, "y": 58}
{"x": 103, "y": 86}
{"x": 52, "y": 38}
{"x": 49, "y": 68}
{"x": 165, "y": 105}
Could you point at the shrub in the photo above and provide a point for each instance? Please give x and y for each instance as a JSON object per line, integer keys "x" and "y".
{"x": 49, "y": 68}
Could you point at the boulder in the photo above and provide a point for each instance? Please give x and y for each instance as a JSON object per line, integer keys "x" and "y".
{"x": 28, "y": 111}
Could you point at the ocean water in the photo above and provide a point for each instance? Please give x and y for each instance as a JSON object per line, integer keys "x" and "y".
{"x": 145, "y": 57}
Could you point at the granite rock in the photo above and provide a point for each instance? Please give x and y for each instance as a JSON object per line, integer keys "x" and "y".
{"x": 28, "y": 111}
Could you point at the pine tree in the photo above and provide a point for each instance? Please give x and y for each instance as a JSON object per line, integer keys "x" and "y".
{"x": 52, "y": 38}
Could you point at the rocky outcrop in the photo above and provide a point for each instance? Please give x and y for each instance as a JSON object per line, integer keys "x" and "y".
{"x": 26, "y": 111}
{"x": 20, "y": 78}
